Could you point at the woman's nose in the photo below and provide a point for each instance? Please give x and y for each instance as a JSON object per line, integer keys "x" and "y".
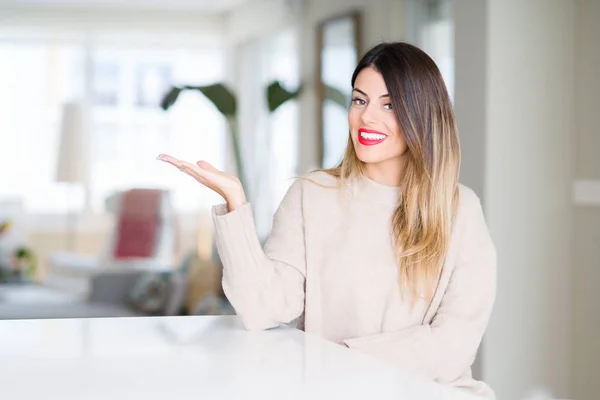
{"x": 368, "y": 115}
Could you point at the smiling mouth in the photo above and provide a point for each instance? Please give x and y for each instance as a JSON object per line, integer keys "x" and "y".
{"x": 368, "y": 137}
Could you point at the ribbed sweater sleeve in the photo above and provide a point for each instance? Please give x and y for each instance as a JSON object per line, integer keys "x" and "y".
{"x": 265, "y": 286}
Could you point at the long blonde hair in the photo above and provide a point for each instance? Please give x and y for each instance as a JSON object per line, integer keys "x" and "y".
{"x": 422, "y": 222}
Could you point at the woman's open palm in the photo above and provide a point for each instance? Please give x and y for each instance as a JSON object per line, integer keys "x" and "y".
{"x": 226, "y": 185}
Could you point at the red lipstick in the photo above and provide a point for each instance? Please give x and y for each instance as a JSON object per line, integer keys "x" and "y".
{"x": 370, "y": 137}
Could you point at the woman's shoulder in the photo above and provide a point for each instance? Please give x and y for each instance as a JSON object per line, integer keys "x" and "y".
{"x": 312, "y": 187}
{"x": 310, "y": 182}
{"x": 310, "y": 192}
{"x": 313, "y": 181}
{"x": 468, "y": 200}
{"x": 471, "y": 217}
{"x": 469, "y": 211}
{"x": 319, "y": 179}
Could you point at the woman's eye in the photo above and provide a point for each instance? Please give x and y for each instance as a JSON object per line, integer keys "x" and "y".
{"x": 358, "y": 102}
{"x": 387, "y": 106}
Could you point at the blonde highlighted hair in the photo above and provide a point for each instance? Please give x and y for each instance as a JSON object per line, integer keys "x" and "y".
{"x": 422, "y": 222}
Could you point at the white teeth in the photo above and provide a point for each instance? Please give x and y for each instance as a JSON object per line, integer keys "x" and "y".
{"x": 372, "y": 136}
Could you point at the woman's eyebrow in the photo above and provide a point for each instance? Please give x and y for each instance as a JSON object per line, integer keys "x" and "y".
{"x": 364, "y": 94}
{"x": 360, "y": 91}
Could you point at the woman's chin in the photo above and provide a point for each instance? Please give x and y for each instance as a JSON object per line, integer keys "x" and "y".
{"x": 369, "y": 157}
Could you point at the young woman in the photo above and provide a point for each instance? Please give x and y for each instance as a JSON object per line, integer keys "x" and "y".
{"x": 386, "y": 253}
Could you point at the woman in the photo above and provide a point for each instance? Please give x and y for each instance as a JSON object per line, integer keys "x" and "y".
{"x": 386, "y": 253}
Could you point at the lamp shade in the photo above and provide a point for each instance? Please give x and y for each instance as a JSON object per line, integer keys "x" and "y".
{"x": 71, "y": 152}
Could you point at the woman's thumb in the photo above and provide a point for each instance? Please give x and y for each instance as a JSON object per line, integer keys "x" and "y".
{"x": 207, "y": 166}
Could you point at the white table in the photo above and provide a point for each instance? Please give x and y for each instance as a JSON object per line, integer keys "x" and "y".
{"x": 173, "y": 358}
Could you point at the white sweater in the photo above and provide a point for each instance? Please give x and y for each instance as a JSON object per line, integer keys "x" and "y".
{"x": 329, "y": 261}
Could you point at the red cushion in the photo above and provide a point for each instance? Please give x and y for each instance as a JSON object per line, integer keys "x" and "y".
{"x": 136, "y": 237}
{"x": 138, "y": 224}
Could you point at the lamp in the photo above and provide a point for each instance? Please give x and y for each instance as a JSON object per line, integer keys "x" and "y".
{"x": 71, "y": 156}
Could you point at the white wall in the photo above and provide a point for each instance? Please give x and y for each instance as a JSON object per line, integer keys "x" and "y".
{"x": 470, "y": 66}
{"x": 587, "y": 218}
{"x": 515, "y": 108}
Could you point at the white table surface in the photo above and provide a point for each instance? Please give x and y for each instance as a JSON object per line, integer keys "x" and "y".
{"x": 190, "y": 358}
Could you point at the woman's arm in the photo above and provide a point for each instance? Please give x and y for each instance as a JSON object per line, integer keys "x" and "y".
{"x": 265, "y": 287}
{"x": 446, "y": 348}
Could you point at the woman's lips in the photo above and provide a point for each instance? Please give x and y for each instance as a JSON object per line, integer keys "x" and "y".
{"x": 369, "y": 137}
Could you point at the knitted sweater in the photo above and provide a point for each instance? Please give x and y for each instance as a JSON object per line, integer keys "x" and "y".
{"x": 329, "y": 262}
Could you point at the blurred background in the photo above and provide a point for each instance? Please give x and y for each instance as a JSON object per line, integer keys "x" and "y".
{"x": 91, "y": 91}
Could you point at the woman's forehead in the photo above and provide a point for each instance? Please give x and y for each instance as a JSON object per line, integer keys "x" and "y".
{"x": 371, "y": 82}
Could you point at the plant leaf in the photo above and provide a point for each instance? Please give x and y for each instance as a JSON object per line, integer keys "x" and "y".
{"x": 277, "y": 95}
{"x": 218, "y": 94}
{"x": 170, "y": 98}
{"x": 222, "y": 98}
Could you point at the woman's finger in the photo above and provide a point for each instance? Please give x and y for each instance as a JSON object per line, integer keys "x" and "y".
{"x": 208, "y": 176}
{"x": 167, "y": 158}
{"x": 205, "y": 165}
{"x": 209, "y": 183}
{"x": 184, "y": 166}
{"x": 200, "y": 168}
{"x": 171, "y": 160}
{"x": 209, "y": 173}
{"x": 193, "y": 170}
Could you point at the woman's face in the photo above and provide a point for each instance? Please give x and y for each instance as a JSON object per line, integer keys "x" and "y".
{"x": 374, "y": 129}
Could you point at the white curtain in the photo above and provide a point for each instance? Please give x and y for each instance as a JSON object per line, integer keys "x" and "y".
{"x": 270, "y": 141}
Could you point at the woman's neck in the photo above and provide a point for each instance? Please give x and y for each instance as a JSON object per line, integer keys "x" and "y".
{"x": 388, "y": 173}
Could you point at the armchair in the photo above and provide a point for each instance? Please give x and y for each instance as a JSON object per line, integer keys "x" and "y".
{"x": 144, "y": 236}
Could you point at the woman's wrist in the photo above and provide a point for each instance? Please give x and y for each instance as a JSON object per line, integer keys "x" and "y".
{"x": 235, "y": 201}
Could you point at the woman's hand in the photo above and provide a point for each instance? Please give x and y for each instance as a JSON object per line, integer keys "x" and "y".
{"x": 226, "y": 185}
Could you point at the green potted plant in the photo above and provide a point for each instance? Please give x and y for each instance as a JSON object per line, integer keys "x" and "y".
{"x": 225, "y": 102}
{"x": 25, "y": 262}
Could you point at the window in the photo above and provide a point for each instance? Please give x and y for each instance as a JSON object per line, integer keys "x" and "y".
{"x": 127, "y": 127}
{"x": 35, "y": 79}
